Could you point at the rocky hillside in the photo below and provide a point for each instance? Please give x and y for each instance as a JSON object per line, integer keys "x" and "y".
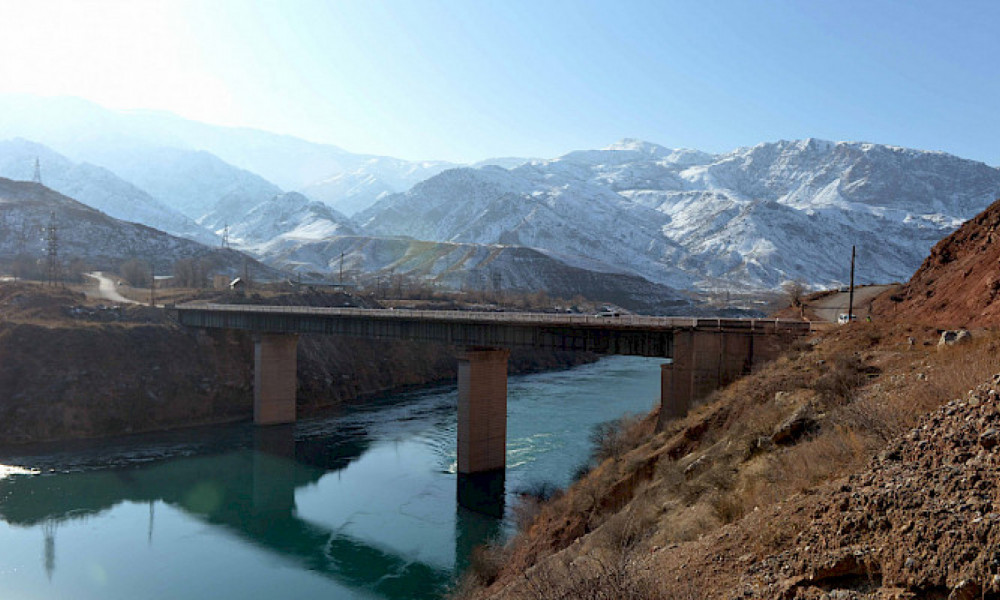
{"x": 26, "y": 211}
{"x": 457, "y": 266}
{"x": 959, "y": 283}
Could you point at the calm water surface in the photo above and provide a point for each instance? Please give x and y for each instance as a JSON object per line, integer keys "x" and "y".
{"x": 362, "y": 505}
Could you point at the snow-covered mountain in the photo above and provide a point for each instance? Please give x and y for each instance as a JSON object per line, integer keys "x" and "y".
{"x": 27, "y": 209}
{"x": 195, "y": 183}
{"x": 122, "y": 140}
{"x": 750, "y": 218}
{"x": 96, "y": 187}
{"x": 353, "y": 191}
{"x": 289, "y": 216}
{"x": 572, "y": 216}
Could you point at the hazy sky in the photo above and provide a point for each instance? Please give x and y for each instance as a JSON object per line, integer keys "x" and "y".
{"x": 466, "y": 80}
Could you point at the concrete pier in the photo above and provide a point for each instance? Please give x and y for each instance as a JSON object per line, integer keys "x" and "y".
{"x": 274, "y": 379}
{"x": 482, "y": 410}
{"x": 704, "y": 361}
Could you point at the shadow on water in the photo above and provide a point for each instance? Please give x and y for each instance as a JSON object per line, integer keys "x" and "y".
{"x": 249, "y": 492}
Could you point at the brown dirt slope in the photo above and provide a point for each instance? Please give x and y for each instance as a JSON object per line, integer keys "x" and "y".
{"x": 959, "y": 283}
{"x": 922, "y": 521}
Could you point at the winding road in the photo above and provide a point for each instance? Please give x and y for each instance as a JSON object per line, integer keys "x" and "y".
{"x": 107, "y": 289}
{"x": 829, "y": 307}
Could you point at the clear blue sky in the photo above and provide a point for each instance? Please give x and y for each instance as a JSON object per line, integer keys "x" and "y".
{"x": 471, "y": 79}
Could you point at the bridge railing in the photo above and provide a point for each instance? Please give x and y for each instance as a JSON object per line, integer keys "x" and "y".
{"x": 554, "y": 319}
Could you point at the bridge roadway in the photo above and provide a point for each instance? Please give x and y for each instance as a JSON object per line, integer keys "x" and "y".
{"x": 705, "y": 353}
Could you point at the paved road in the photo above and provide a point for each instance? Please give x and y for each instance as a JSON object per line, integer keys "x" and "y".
{"x": 829, "y": 307}
{"x": 107, "y": 289}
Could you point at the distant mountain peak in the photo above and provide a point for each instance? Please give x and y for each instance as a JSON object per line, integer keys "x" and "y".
{"x": 637, "y": 145}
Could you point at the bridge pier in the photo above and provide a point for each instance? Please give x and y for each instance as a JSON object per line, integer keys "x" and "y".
{"x": 704, "y": 361}
{"x": 274, "y": 378}
{"x": 482, "y": 410}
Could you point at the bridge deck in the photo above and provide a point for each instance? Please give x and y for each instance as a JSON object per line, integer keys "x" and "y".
{"x": 627, "y": 334}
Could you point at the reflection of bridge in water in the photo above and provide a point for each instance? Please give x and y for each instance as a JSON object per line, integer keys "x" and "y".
{"x": 705, "y": 355}
{"x": 251, "y": 494}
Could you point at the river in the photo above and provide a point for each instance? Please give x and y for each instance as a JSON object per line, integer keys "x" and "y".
{"x": 358, "y": 505}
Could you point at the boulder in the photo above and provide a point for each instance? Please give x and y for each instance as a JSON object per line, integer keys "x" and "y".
{"x": 952, "y": 337}
{"x": 802, "y": 421}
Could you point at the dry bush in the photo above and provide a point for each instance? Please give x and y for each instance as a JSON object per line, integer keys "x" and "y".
{"x": 832, "y": 453}
{"x": 485, "y": 564}
{"x": 613, "y": 439}
{"x": 530, "y": 500}
{"x": 623, "y": 531}
{"x": 843, "y": 375}
{"x": 589, "y": 577}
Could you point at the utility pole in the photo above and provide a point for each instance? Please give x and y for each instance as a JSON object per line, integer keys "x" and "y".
{"x": 152, "y": 282}
{"x": 341, "y": 269}
{"x": 850, "y": 302}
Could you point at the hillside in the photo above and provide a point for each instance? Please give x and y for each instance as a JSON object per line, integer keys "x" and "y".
{"x": 959, "y": 283}
{"x": 27, "y": 209}
{"x": 473, "y": 267}
{"x": 97, "y": 188}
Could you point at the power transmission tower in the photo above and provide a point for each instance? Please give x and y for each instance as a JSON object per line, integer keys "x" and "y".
{"x": 37, "y": 177}
{"x": 225, "y": 236}
{"x": 52, "y": 239}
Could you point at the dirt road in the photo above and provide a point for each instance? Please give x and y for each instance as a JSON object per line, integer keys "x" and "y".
{"x": 107, "y": 289}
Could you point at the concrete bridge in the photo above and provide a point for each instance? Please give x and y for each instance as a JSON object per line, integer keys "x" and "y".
{"x": 705, "y": 354}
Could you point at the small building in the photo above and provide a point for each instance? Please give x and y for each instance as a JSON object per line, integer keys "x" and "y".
{"x": 237, "y": 285}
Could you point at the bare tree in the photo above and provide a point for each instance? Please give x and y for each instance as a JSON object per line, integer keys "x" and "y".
{"x": 135, "y": 272}
{"x": 794, "y": 292}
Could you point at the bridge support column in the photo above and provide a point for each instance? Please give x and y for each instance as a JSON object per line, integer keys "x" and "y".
{"x": 677, "y": 379}
{"x": 703, "y": 361}
{"x": 274, "y": 379}
{"x": 482, "y": 411}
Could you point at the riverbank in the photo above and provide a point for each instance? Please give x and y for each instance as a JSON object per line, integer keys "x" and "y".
{"x": 72, "y": 368}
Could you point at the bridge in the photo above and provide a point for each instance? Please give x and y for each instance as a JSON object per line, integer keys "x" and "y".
{"x": 705, "y": 353}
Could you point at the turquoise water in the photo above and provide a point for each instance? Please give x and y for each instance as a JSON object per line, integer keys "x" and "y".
{"x": 361, "y": 505}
